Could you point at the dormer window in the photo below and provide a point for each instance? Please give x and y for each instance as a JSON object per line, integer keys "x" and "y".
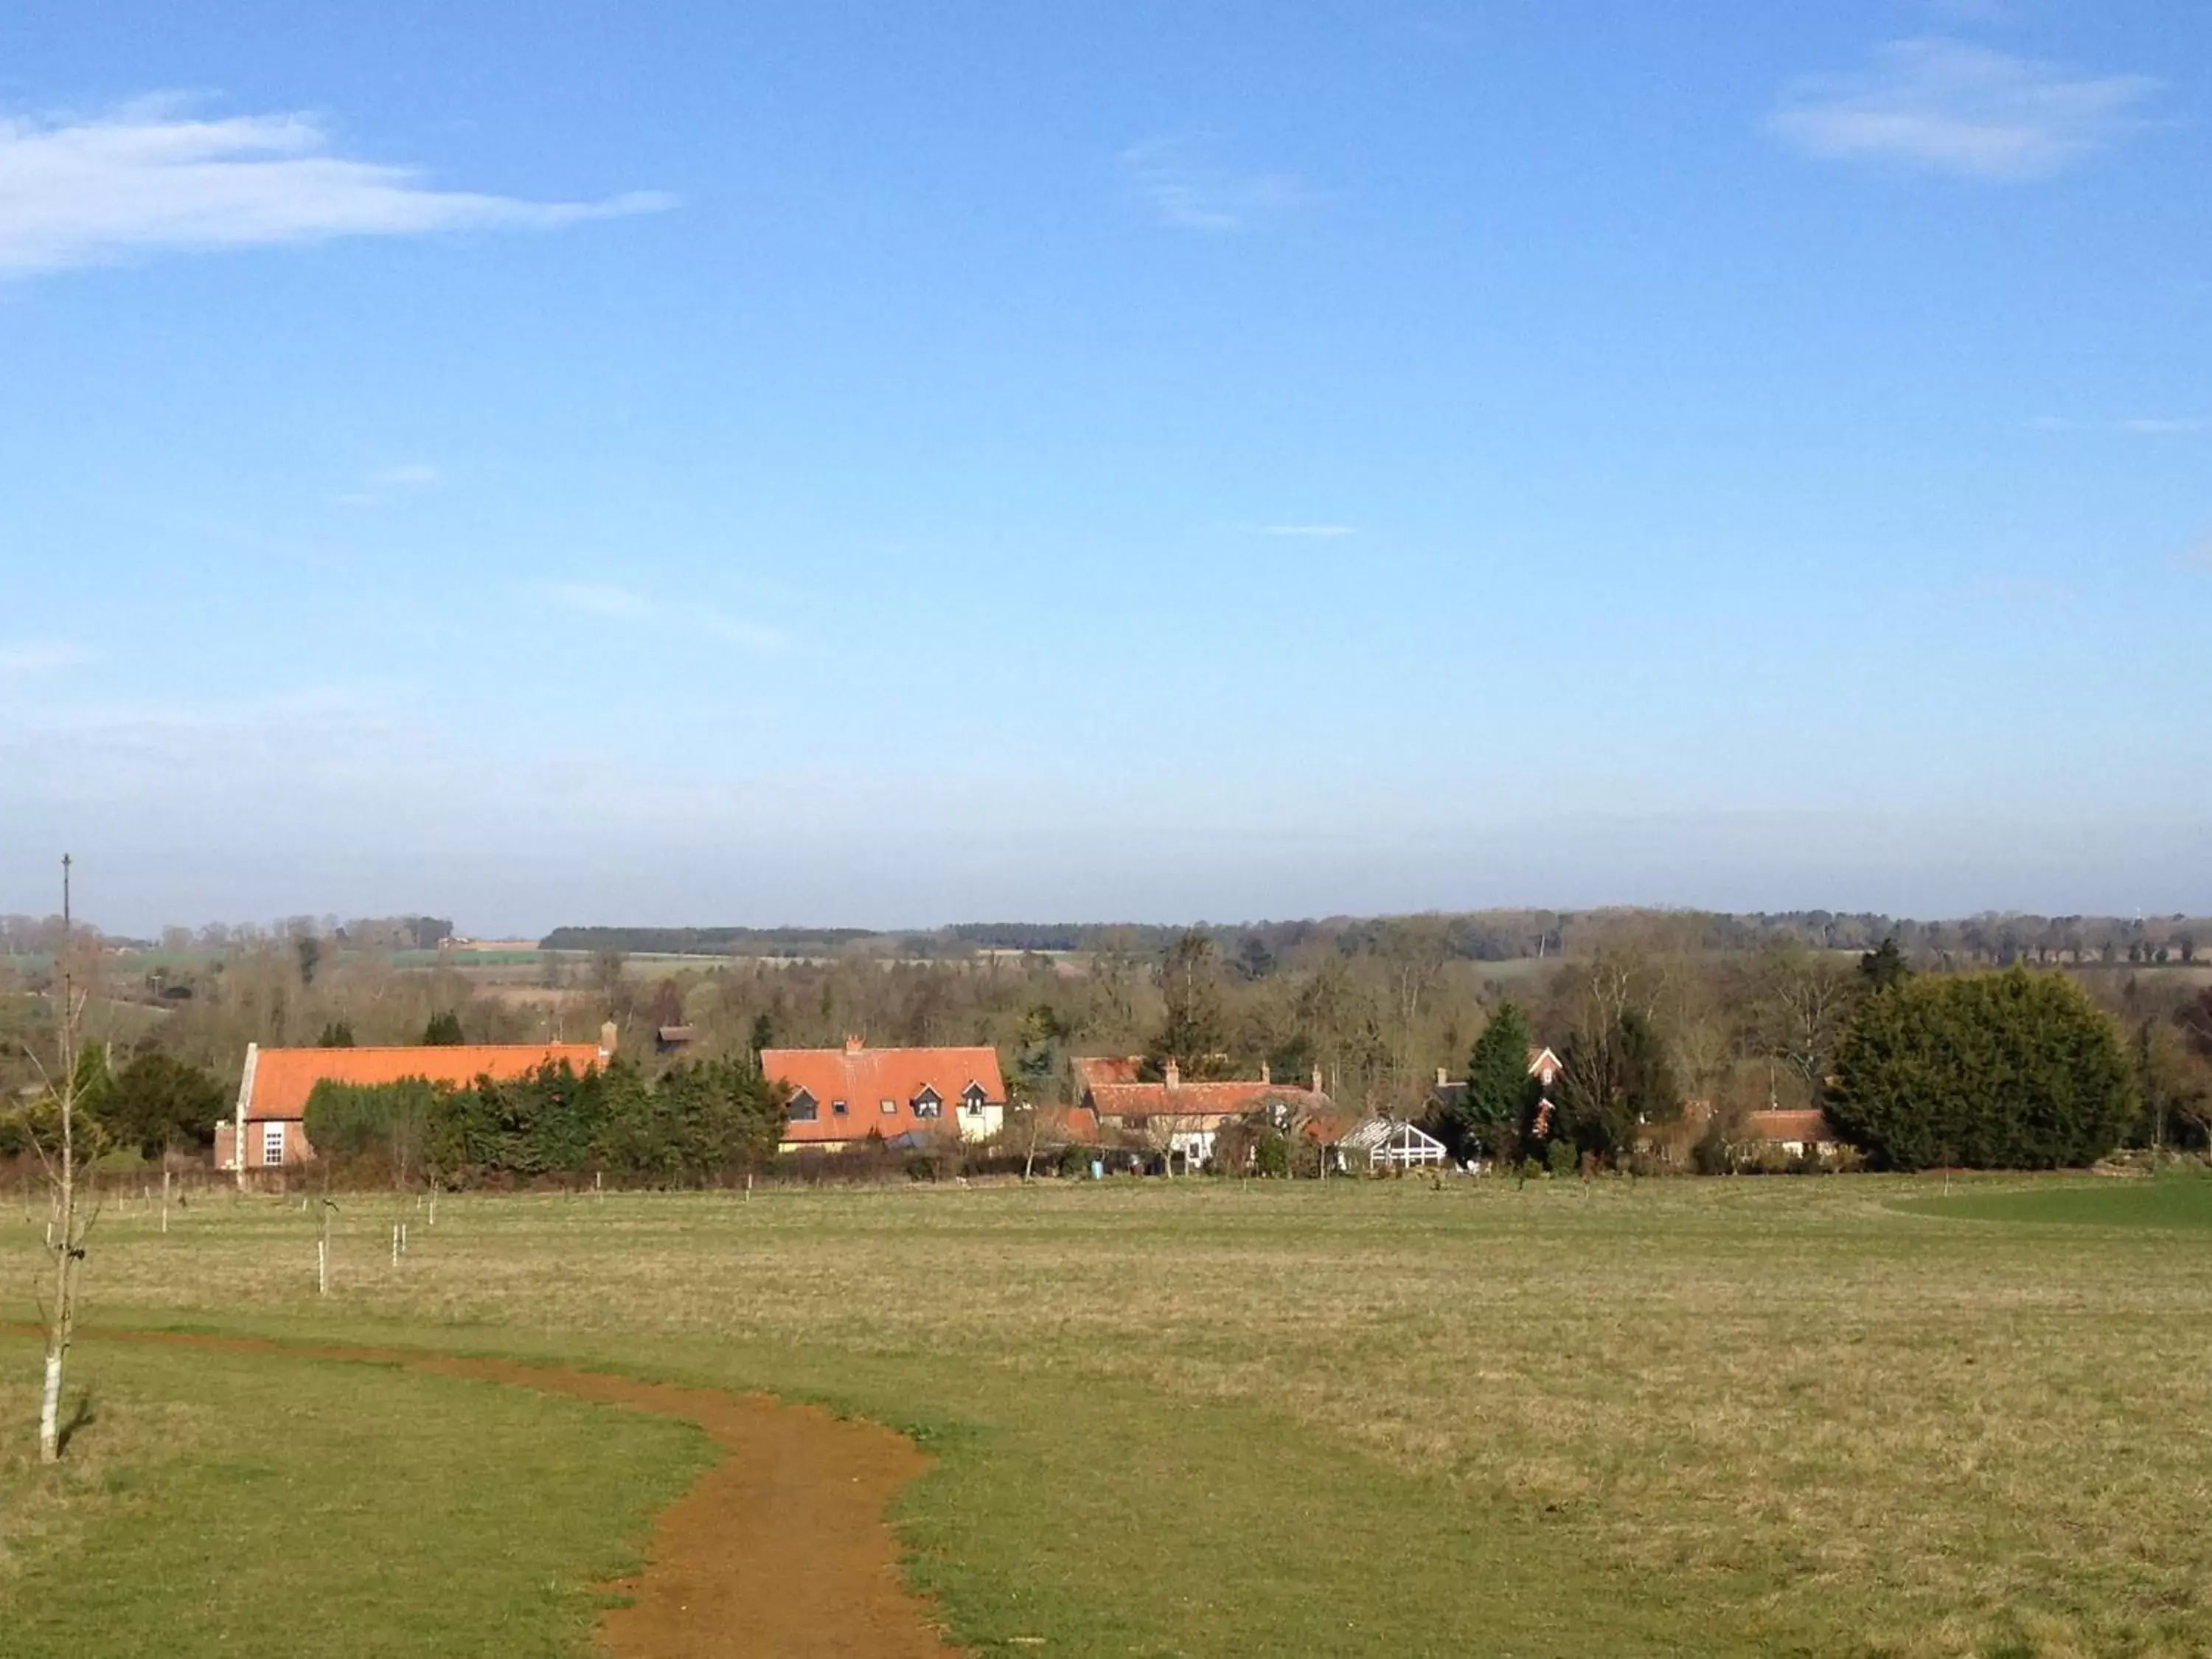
{"x": 803, "y": 1107}
{"x": 928, "y": 1103}
{"x": 972, "y": 1099}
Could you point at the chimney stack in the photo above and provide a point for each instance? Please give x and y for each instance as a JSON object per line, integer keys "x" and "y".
{"x": 1441, "y": 1079}
{"x": 1317, "y": 1088}
{"x": 852, "y": 1043}
{"x": 1267, "y": 1073}
{"x": 1174, "y": 1075}
{"x": 608, "y": 1033}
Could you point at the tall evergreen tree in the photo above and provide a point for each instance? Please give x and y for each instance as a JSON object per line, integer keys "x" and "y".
{"x": 157, "y": 1103}
{"x": 1884, "y": 966}
{"x": 1195, "y": 1029}
{"x": 1500, "y": 1091}
{"x": 1614, "y": 1083}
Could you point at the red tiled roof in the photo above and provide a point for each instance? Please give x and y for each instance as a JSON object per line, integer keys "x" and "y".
{"x": 864, "y": 1078}
{"x": 1093, "y": 1070}
{"x": 284, "y": 1078}
{"x": 1141, "y": 1100}
{"x": 1068, "y": 1125}
{"x": 1807, "y": 1125}
{"x": 1327, "y": 1130}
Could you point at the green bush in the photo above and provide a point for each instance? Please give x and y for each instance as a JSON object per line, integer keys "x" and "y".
{"x": 694, "y": 1123}
{"x": 1271, "y": 1154}
{"x": 1562, "y": 1157}
{"x": 2010, "y": 1071}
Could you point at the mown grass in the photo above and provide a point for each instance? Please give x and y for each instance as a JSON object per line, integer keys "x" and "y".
{"x": 1689, "y": 1417}
{"x": 220, "y": 1503}
{"x": 2176, "y": 1201}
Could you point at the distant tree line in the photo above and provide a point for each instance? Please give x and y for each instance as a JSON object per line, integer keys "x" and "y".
{"x": 1673, "y": 1027}
{"x": 1998, "y": 939}
{"x": 710, "y": 941}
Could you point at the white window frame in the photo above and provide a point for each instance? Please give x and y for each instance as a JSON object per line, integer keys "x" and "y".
{"x": 272, "y": 1144}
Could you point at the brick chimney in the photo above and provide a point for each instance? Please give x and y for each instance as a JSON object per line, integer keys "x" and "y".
{"x": 852, "y": 1043}
{"x": 1174, "y": 1075}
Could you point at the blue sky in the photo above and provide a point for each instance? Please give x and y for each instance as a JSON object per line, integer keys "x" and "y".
{"x": 888, "y": 465}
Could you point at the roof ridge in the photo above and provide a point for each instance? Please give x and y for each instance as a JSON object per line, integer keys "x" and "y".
{"x": 411, "y": 1048}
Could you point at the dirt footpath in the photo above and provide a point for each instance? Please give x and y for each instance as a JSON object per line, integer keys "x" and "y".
{"x": 781, "y": 1552}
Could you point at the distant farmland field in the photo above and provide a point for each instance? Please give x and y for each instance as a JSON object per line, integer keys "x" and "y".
{"x": 1749, "y": 1417}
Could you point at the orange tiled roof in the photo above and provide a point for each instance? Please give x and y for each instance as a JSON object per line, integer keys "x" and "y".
{"x": 1128, "y": 1100}
{"x": 1329, "y": 1129}
{"x": 1068, "y": 1125}
{"x": 1811, "y": 1124}
{"x": 864, "y": 1078}
{"x": 1095, "y": 1069}
{"x": 284, "y": 1078}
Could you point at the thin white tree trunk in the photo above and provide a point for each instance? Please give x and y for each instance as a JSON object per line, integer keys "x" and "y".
{"x": 61, "y": 1317}
{"x": 50, "y": 1411}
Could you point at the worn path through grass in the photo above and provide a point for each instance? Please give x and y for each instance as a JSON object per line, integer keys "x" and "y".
{"x": 226, "y": 1503}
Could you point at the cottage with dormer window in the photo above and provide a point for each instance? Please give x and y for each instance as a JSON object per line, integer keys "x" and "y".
{"x": 910, "y": 1087}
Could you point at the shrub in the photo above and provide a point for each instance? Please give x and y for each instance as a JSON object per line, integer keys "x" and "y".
{"x": 2010, "y": 1071}
{"x": 1562, "y": 1157}
{"x": 1271, "y": 1154}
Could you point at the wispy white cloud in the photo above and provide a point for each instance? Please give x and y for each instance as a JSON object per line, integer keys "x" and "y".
{"x": 42, "y": 656}
{"x": 597, "y": 599}
{"x": 147, "y": 178}
{"x": 389, "y": 481}
{"x": 613, "y": 602}
{"x": 1953, "y": 107}
{"x": 1317, "y": 531}
{"x": 2138, "y": 425}
{"x": 191, "y": 759}
{"x": 1182, "y": 184}
{"x": 758, "y": 636}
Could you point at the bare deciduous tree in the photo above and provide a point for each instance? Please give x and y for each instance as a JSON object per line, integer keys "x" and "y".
{"x": 59, "y": 1135}
{"x": 1805, "y": 1002}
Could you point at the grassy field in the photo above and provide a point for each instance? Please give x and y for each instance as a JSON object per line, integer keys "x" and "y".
{"x": 216, "y": 1504}
{"x": 1839, "y": 1417}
